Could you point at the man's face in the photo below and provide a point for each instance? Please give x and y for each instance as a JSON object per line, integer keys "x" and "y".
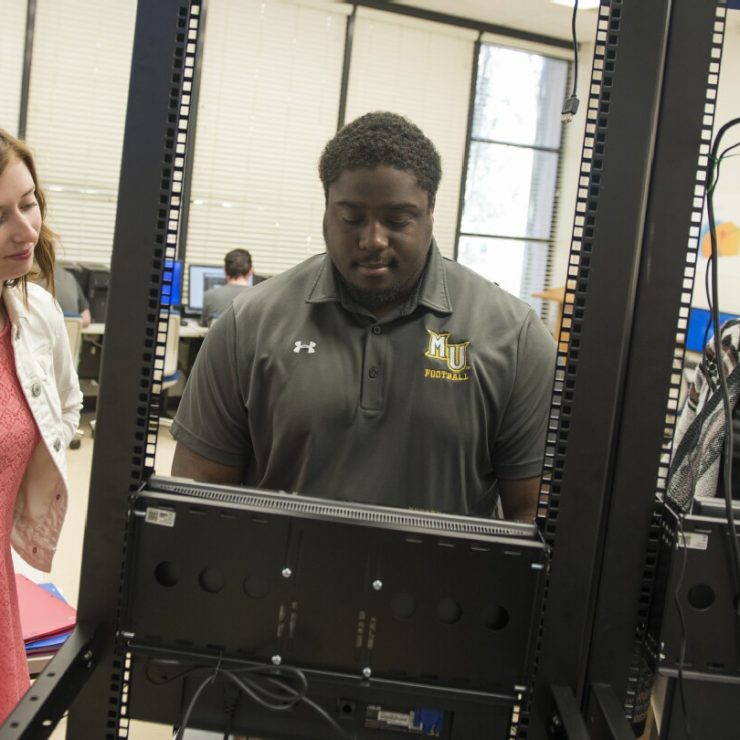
{"x": 378, "y": 230}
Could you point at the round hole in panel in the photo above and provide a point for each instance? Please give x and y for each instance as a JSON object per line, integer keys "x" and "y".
{"x": 211, "y": 580}
{"x": 403, "y": 605}
{"x": 256, "y": 587}
{"x": 494, "y": 617}
{"x": 449, "y": 611}
{"x": 166, "y": 574}
{"x": 701, "y": 596}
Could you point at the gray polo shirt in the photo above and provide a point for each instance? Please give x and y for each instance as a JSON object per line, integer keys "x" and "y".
{"x": 424, "y": 408}
{"x": 69, "y": 292}
{"x": 217, "y": 300}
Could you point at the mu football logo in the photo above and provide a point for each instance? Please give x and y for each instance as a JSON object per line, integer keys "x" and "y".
{"x": 453, "y": 354}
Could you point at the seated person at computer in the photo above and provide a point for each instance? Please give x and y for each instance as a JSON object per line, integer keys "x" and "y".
{"x": 70, "y": 296}
{"x": 379, "y": 371}
{"x": 239, "y": 275}
{"x": 698, "y": 445}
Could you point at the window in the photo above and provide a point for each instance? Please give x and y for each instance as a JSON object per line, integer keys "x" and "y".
{"x": 76, "y": 113}
{"x": 271, "y": 81}
{"x": 269, "y": 97}
{"x": 12, "y": 46}
{"x": 512, "y": 169}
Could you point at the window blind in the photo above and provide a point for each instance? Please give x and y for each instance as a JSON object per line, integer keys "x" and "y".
{"x": 76, "y": 113}
{"x": 269, "y": 97}
{"x": 12, "y": 46}
{"x": 421, "y": 70}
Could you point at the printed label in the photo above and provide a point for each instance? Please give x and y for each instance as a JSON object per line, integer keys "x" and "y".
{"x": 693, "y": 540}
{"x": 162, "y": 517}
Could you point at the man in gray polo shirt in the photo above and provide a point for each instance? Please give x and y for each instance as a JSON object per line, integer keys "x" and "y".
{"x": 69, "y": 294}
{"x": 378, "y": 372}
{"x": 239, "y": 274}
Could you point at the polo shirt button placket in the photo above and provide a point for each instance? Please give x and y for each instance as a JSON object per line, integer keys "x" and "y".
{"x": 377, "y": 329}
{"x": 373, "y": 372}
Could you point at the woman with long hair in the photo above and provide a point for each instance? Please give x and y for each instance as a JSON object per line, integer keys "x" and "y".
{"x": 40, "y": 400}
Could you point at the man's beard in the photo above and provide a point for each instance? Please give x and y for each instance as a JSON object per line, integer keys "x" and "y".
{"x": 375, "y": 299}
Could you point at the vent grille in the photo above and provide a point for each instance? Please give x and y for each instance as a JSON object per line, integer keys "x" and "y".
{"x": 294, "y": 504}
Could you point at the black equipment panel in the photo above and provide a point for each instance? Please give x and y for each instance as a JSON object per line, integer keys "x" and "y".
{"x": 261, "y": 571}
{"x": 374, "y": 710}
{"x": 700, "y": 578}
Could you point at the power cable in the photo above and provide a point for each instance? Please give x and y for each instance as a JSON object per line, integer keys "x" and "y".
{"x": 277, "y": 696}
{"x": 570, "y": 105}
{"x": 712, "y": 178}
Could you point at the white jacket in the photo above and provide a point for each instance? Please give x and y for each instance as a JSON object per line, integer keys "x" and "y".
{"x": 47, "y": 375}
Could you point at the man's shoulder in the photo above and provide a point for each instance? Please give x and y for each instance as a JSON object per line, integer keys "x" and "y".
{"x": 62, "y": 276}
{"x": 290, "y": 286}
{"x": 467, "y": 287}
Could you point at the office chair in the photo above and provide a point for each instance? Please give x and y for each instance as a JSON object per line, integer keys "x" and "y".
{"x": 73, "y": 325}
{"x": 171, "y": 373}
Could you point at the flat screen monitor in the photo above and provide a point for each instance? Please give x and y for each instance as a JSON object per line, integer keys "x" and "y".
{"x": 698, "y": 334}
{"x": 172, "y": 283}
{"x": 200, "y": 279}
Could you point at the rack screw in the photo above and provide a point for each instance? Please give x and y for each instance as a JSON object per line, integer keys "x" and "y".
{"x": 377, "y": 585}
{"x": 287, "y": 572}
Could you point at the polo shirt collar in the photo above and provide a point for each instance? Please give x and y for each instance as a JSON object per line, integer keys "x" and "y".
{"x": 433, "y": 292}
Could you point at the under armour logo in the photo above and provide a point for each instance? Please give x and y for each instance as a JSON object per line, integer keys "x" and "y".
{"x": 310, "y": 347}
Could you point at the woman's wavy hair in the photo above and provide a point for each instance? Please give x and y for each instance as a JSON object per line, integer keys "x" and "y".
{"x": 14, "y": 150}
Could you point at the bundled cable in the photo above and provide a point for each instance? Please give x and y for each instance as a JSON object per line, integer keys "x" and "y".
{"x": 712, "y": 178}
{"x": 276, "y": 688}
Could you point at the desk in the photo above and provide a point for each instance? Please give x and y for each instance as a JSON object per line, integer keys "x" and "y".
{"x": 187, "y": 331}
{"x": 192, "y": 331}
{"x": 93, "y": 330}
{"x": 191, "y": 334}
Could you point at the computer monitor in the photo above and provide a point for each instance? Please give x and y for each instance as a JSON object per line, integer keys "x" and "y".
{"x": 171, "y": 294}
{"x": 697, "y": 334}
{"x": 200, "y": 279}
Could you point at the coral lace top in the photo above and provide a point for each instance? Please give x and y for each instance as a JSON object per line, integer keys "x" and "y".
{"x": 18, "y": 438}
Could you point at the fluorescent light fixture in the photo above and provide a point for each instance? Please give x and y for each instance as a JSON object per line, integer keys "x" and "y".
{"x": 582, "y": 4}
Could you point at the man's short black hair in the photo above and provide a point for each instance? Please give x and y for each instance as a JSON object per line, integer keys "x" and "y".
{"x": 237, "y": 263}
{"x": 382, "y": 138}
